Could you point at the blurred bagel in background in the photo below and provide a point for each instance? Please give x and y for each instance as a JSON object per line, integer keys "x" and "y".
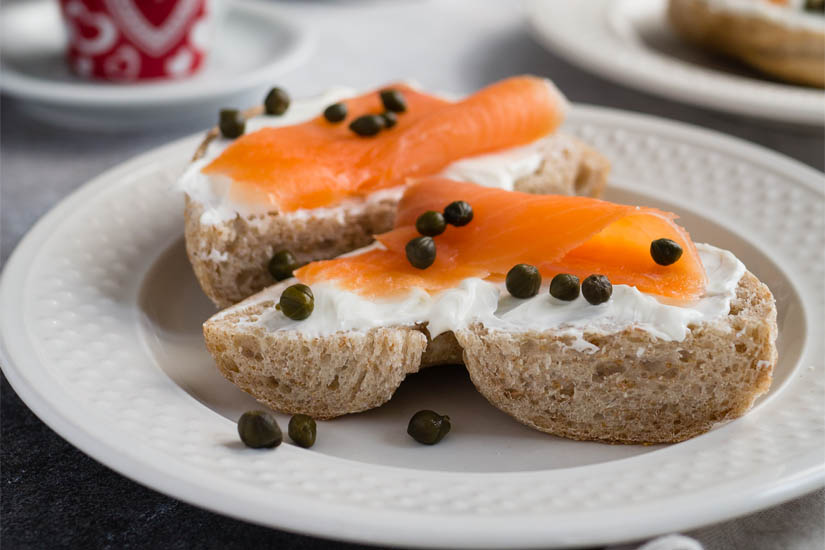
{"x": 784, "y": 39}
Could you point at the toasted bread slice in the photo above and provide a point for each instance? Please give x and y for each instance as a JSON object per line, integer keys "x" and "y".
{"x": 230, "y": 258}
{"x": 635, "y": 388}
{"x": 779, "y": 49}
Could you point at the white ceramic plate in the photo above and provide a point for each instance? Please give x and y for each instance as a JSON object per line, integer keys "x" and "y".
{"x": 255, "y": 44}
{"x": 629, "y": 41}
{"x": 100, "y": 326}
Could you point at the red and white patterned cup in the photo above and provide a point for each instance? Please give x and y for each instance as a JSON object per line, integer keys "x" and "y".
{"x": 133, "y": 40}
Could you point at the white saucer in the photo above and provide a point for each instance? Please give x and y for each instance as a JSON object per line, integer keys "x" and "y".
{"x": 629, "y": 41}
{"x": 255, "y": 44}
{"x": 100, "y": 334}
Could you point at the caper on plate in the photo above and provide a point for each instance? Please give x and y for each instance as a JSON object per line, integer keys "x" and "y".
{"x": 302, "y": 430}
{"x": 428, "y": 427}
{"x": 259, "y": 429}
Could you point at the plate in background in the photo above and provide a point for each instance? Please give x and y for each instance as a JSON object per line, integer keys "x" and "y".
{"x": 629, "y": 41}
{"x": 255, "y": 44}
{"x": 100, "y": 335}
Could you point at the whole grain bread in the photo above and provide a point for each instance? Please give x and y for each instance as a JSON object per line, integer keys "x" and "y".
{"x": 635, "y": 388}
{"x": 785, "y": 51}
{"x": 230, "y": 258}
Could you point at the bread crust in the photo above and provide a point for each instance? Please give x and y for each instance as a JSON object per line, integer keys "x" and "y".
{"x": 668, "y": 392}
{"x": 230, "y": 258}
{"x": 324, "y": 377}
{"x": 792, "y": 54}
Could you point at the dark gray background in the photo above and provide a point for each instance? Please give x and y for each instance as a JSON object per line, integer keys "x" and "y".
{"x": 54, "y": 496}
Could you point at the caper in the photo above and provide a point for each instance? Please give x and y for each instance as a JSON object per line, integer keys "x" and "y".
{"x": 564, "y": 287}
{"x": 665, "y": 251}
{"x": 428, "y": 427}
{"x": 367, "y": 125}
{"x": 259, "y": 429}
{"x": 231, "y": 123}
{"x": 282, "y": 265}
{"x": 297, "y": 302}
{"x": 336, "y": 112}
{"x": 596, "y": 289}
{"x": 421, "y": 252}
{"x": 390, "y": 119}
{"x": 276, "y": 102}
{"x": 430, "y": 223}
{"x": 458, "y": 213}
{"x": 815, "y": 5}
{"x": 393, "y": 100}
{"x": 302, "y": 430}
{"x": 523, "y": 281}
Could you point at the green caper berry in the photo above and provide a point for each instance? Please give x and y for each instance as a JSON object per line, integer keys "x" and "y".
{"x": 276, "y": 102}
{"x": 421, "y": 252}
{"x": 302, "y": 430}
{"x": 564, "y": 287}
{"x": 259, "y": 429}
{"x": 297, "y": 302}
{"x": 282, "y": 265}
{"x": 665, "y": 251}
{"x": 428, "y": 427}
{"x": 430, "y": 223}
{"x": 815, "y": 5}
{"x": 390, "y": 119}
{"x": 367, "y": 125}
{"x": 336, "y": 112}
{"x": 393, "y": 100}
{"x": 231, "y": 123}
{"x": 523, "y": 281}
{"x": 458, "y": 213}
{"x": 597, "y": 289}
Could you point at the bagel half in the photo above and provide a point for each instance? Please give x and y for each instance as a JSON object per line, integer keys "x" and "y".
{"x": 230, "y": 258}
{"x": 635, "y": 388}
{"x": 778, "y": 49}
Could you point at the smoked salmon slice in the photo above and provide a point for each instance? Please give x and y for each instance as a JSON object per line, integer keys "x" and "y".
{"x": 557, "y": 234}
{"x": 319, "y": 163}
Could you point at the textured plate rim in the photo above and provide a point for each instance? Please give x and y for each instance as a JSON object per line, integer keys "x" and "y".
{"x": 300, "y": 46}
{"x": 807, "y": 472}
{"x": 666, "y": 76}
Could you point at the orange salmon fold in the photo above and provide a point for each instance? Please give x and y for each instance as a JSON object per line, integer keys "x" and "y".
{"x": 557, "y": 234}
{"x": 318, "y": 163}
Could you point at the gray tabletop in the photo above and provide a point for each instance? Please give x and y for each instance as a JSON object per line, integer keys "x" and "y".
{"x": 454, "y": 45}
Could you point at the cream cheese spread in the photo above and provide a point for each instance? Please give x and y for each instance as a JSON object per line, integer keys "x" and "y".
{"x": 476, "y": 300}
{"x": 500, "y": 169}
{"x": 792, "y": 15}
